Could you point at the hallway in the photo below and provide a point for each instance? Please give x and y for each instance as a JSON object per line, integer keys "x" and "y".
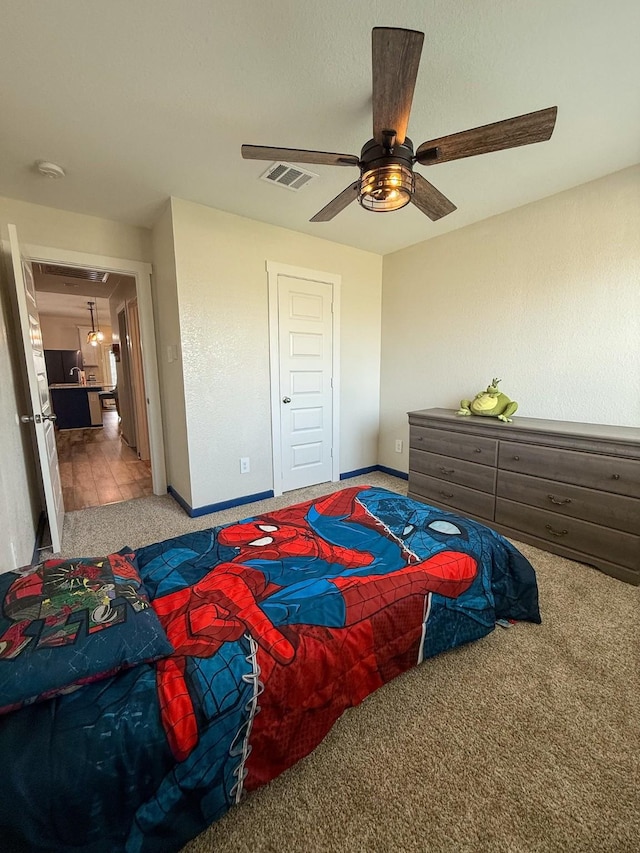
{"x": 98, "y": 468}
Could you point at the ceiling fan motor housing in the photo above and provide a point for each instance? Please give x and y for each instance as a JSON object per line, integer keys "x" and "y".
{"x": 386, "y": 176}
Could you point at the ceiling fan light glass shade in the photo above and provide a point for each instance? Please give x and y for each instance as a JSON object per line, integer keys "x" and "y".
{"x": 386, "y": 187}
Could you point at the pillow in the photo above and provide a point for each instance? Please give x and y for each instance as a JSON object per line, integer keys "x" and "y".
{"x": 65, "y": 623}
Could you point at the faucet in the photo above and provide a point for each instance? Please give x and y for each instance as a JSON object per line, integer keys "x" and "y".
{"x": 79, "y": 376}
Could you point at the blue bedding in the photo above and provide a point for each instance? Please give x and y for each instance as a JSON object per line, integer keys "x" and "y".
{"x": 278, "y": 623}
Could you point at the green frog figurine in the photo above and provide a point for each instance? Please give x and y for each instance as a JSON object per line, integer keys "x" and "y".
{"x": 490, "y": 403}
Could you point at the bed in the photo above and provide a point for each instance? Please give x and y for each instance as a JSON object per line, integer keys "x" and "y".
{"x": 278, "y": 623}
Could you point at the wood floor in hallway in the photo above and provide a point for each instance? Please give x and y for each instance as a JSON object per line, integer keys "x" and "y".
{"x": 97, "y": 467}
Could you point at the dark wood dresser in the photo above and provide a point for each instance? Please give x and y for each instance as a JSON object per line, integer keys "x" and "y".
{"x": 569, "y": 488}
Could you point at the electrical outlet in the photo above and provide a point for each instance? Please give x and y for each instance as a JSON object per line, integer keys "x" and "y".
{"x": 244, "y": 465}
{"x": 398, "y": 445}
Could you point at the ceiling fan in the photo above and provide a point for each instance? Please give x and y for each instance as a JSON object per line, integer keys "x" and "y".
{"x": 387, "y": 180}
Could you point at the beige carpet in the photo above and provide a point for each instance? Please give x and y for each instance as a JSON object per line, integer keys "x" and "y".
{"x": 527, "y": 740}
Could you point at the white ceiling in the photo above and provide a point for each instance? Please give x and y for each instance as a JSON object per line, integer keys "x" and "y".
{"x": 68, "y": 297}
{"x": 139, "y": 101}
{"x": 73, "y": 308}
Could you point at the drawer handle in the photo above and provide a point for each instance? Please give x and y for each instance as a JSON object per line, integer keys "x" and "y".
{"x": 447, "y": 494}
{"x": 615, "y": 476}
{"x": 447, "y": 470}
{"x": 556, "y": 532}
{"x": 557, "y": 502}
{"x": 419, "y": 438}
{"x": 516, "y": 458}
{"x": 478, "y": 450}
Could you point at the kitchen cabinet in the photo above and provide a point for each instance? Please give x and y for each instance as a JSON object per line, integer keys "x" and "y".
{"x": 76, "y": 407}
{"x": 90, "y": 354}
{"x": 95, "y": 407}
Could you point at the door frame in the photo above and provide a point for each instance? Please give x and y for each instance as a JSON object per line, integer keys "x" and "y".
{"x": 141, "y": 271}
{"x": 275, "y": 269}
{"x": 137, "y": 378}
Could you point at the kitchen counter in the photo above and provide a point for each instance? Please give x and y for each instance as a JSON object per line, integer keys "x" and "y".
{"x": 76, "y": 406}
{"x": 87, "y": 387}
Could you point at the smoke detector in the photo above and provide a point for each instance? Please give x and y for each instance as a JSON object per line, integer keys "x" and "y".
{"x": 50, "y": 170}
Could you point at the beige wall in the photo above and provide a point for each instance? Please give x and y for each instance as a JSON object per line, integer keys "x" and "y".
{"x": 58, "y": 332}
{"x": 61, "y": 229}
{"x": 222, "y": 294}
{"x": 170, "y": 373}
{"x": 41, "y": 226}
{"x": 68, "y": 333}
{"x": 546, "y": 297}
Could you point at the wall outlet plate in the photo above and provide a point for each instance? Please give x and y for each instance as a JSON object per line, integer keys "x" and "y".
{"x": 244, "y": 465}
{"x": 398, "y": 445}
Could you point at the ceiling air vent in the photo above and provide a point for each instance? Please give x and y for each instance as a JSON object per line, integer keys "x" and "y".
{"x": 73, "y": 272}
{"x": 290, "y": 177}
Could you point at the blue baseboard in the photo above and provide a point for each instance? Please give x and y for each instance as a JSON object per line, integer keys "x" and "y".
{"x": 373, "y": 468}
{"x": 393, "y": 472}
{"x": 205, "y": 510}
{"x": 179, "y": 499}
{"x": 261, "y": 496}
{"x": 39, "y": 541}
{"x": 348, "y": 474}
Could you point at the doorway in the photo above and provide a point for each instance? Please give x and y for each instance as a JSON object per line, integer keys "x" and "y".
{"x": 101, "y": 436}
{"x": 141, "y": 273}
{"x": 304, "y": 332}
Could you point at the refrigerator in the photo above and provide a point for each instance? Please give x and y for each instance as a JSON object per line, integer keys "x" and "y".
{"x": 59, "y": 363}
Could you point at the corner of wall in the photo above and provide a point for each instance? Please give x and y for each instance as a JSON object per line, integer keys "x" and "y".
{"x": 169, "y": 352}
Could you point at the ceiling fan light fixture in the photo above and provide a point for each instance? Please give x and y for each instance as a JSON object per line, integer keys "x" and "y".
{"x": 387, "y": 180}
{"x": 385, "y": 188}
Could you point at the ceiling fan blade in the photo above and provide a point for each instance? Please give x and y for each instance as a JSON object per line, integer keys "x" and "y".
{"x": 298, "y": 155}
{"x": 337, "y": 204}
{"x": 395, "y": 60}
{"x": 510, "y": 133}
{"x": 430, "y": 200}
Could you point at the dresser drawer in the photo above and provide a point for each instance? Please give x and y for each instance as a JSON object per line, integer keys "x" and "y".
{"x": 457, "y": 445}
{"x": 617, "y": 511}
{"x": 457, "y": 497}
{"x": 480, "y": 477}
{"x": 607, "y": 473}
{"x": 589, "y": 539}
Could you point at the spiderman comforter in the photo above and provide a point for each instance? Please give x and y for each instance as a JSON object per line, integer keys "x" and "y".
{"x": 279, "y": 623}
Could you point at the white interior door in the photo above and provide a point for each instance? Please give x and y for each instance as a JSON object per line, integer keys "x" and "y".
{"x": 41, "y": 415}
{"x": 305, "y": 336}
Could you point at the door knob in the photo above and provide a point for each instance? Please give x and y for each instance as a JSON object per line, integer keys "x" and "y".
{"x": 286, "y": 399}
{"x": 27, "y": 419}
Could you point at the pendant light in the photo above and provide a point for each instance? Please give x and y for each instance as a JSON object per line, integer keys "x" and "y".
{"x": 95, "y": 336}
